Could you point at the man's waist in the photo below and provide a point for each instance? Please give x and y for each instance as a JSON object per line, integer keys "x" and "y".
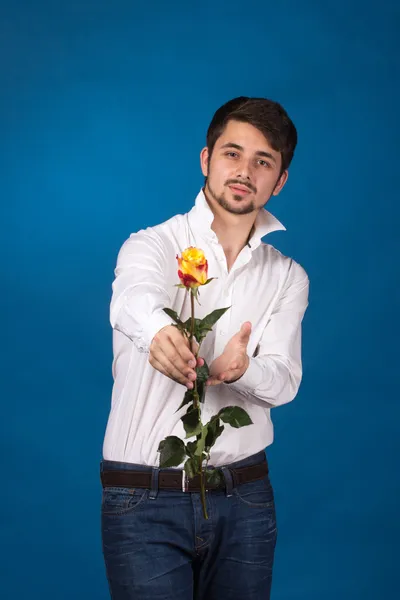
{"x": 115, "y": 474}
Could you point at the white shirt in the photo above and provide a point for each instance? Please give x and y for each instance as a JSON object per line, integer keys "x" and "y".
{"x": 263, "y": 286}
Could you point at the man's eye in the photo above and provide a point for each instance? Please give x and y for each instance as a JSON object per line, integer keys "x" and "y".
{"x": 232, "y": 154}
{"x": 263, "y": 163}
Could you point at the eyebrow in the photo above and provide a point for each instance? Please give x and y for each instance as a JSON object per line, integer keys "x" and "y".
{"x": 258, "y": 153}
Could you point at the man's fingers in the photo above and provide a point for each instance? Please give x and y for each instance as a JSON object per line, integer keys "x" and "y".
{"x": 233, "y": 372}
{"x": 157, "y": 365}
{"x": 217, "y": 379}
{"x": 175, "y": 346}
{"x": 170, "y": 350}
{"x": 213, "y": 381}
{"x": 181, "y": 343}
{"x": 170, "y": 354}
{"x": 169, "y": 357}
{"x": 195, "y": 346}
{"x": 168, "y": 369}
{"x": 164, "y": 353}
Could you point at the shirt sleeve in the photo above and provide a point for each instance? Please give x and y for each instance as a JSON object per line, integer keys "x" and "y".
{"x": 274, "y": 374}
{"x": 140, "y": 290}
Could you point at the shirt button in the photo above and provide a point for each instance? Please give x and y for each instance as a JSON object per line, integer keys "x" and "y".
{"x": 222, "y": 333}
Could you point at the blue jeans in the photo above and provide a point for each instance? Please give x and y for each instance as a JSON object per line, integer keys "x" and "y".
{"x": 162, "y": 547}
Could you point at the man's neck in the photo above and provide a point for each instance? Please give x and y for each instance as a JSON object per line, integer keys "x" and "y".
{"x": 233, "y": 231}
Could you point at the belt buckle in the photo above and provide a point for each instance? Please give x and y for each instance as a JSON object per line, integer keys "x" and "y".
{"x": 185, "y": 481}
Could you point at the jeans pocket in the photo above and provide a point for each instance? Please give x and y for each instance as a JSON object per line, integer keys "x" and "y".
{"x": 258, "y": 494}
{"x": 120, "y": 501}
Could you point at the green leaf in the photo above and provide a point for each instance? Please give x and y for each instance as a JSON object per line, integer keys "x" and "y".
{"x": 208, "y": 280}
{"x": 214, "y": 430}
{"x": 207, "y": 323}
{"x": 172, "y": 451}
{"x": 201, "y": 391}
{"x": 201, "y": 441}
{"x": 178, "y": 323}
{"x": 181, "y": 328}
{"x": 197, "y": 331}
{"x": 203, "y": 373}
{"x": 195, "y": 396}
{"x": 234, "y": 416}
{"x": 188, "y": 397}
{"x": 188, "y": 322}
{"x": 191, "y": 422}
{"x": 191, "y": 448}
{"x": 202, "y": 376}
{"x": 174, "y": 315}
{"x": 214, "y": 476}
{"x": 192, "y": 467}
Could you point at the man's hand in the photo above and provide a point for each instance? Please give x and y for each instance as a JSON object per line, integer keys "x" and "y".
{"x": 234, "y": 361}
{"x": 170, "y": 354}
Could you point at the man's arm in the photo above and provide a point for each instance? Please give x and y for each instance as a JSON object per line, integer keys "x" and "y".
{"x": 274, "y": 375}
{"x": 139, "y": 290}
{"x": 139, "y": 296}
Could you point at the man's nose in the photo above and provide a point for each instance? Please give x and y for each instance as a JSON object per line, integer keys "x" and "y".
{"x": 243, "y": 170}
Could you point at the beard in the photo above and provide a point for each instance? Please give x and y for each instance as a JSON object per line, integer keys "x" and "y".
{"x": 244, "y": 208}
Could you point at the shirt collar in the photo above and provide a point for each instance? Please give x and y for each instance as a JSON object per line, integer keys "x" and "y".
{"x": 201, "y": 218}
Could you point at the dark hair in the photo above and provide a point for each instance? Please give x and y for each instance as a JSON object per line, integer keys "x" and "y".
{"x": 267, "y": 116}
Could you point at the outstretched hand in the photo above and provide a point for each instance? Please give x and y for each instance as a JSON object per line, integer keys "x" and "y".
{"x": 171, "y": 355}
{"x": 234, "y": 361}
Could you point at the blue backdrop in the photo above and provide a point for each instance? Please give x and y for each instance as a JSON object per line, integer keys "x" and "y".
{"x": 104, "y": 109}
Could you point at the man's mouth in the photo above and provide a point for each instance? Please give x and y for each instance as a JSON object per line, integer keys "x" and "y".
{"x": 239, "y": 190}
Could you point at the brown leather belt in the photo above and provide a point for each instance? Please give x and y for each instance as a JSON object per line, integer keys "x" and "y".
{"x": 172, "y": 479}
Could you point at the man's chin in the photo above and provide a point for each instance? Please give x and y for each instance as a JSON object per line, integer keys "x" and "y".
{"x": 238, "y": 206}
{"x": 234, "y": 204}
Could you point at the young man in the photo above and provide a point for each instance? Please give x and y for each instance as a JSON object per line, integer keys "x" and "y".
{"x": 156, "y": 541}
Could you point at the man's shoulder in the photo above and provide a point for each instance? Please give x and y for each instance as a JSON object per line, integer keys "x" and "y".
{"x": 162, "y": 234}
{"x": 170, "y": 226}
{"x": 282, "y": 262}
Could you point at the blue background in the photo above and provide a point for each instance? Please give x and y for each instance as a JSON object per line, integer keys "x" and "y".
{"x": 104, "y": 109}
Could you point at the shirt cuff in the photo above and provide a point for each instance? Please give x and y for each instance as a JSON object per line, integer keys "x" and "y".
{"x": 250, "y": 379}
{"x": 156, "y": 322}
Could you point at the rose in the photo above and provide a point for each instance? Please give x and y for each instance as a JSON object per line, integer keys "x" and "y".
{"x": 173, "y": 451}
{"x": 193, "y": 268}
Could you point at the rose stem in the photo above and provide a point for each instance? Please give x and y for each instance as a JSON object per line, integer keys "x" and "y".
{"x": 203, "y": 494}
{"x": 196, "y": 405}
{"x": 195, "y": 394}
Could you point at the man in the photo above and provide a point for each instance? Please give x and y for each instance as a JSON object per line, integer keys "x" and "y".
{"x": 156, "y": 541}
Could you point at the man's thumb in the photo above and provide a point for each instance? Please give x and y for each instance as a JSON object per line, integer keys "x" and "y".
{"x": 245, "y": 332}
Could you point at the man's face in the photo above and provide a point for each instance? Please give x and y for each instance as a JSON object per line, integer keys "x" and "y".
{"x": 243, "y": 171}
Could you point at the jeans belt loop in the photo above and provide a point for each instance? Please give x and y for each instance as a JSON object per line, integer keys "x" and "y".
{"x": 185, "y": 481}
{"x": 227, "y": 473}
{"x": 154, "y": 483}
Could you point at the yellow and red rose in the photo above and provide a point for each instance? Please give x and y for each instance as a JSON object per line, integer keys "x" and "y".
{"x": 193, "y": 267}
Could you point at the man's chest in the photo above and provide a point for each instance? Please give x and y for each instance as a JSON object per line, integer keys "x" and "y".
{"x": 250, "y": 291}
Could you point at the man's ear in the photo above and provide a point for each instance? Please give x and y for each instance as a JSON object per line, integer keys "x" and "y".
{"x": 280, "y": 183}
{"x": 204, "y": 158}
